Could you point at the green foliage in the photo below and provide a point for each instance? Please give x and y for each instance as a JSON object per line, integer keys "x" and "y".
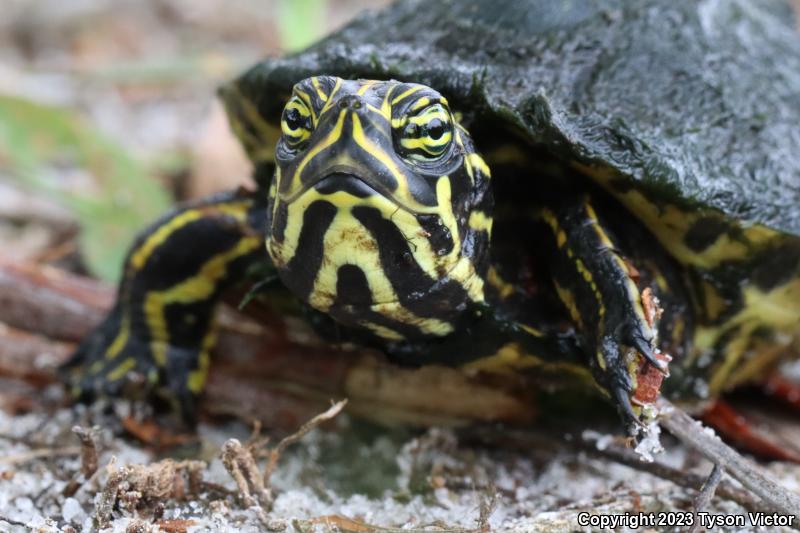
{"x": 38, "y": 143}
{"x": 300, "y": 22}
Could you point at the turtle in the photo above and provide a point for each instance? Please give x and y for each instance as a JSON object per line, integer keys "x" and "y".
{"x": 604, "y": 189}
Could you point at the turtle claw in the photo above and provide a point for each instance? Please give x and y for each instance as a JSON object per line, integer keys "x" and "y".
{"x": 613, "y": 376}
{"x": 646, "y": 350}
{"x": 622, "y": 398}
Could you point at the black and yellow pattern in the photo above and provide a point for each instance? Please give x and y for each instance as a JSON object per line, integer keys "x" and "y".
{"x": 379, "y": 215}
{"x": 380, "y": 207}
{"x": 597, "y": 286}
{"x": 742, "y": 282}
{"x": 161, "y": 329}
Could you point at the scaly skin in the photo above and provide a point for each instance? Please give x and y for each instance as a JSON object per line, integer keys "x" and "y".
{"x": 379, "y": 217}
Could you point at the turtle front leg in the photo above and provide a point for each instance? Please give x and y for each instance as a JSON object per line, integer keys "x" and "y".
{"x": 159, "y": 334}
{"x": 598, "y": 287}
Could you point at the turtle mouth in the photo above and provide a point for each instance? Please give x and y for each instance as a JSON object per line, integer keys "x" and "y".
{"x": 344, "y": 182}
{"x": 350, "y": 180}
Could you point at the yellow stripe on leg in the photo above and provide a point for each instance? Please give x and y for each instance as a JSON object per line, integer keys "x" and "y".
{"x": 237, "y": 210}
{"x": 194, "y": 289}
{"x": 121, "y": 339}
{"x": 197, "y": 378}
{"x": 123, "y": 368}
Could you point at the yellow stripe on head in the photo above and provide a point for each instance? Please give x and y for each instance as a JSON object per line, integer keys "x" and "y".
{"x": 405, "y": 94}
{"x": 320, "y": 93}
{"x": 419, "y": 104}
{"x": 331, "y": 98}
{"x": 309, "y": 103}
{"x": 387, "y": 185}
{"x": 334, "y": 135}
{"x": 391, "y": 166}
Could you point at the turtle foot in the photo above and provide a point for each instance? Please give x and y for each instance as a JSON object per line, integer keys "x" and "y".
{"x": 114, "y": 362}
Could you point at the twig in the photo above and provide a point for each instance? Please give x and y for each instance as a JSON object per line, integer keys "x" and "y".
{"x": 88, "y": 449}
{"x": 88, "y": 459}
{"x": 681, "y": 478}
{"x": 528, "y": 440}
{"x": 240, "y": 462}
{"x": 694, "y": 435}
{"x": 706, "y": 493}
{"x": 275, "y": 453}
{"x": 344, "y": 524}
{"x": 216, "y": 489}
{"x": 41, "y": 453}
{"x": 241, "y": 465}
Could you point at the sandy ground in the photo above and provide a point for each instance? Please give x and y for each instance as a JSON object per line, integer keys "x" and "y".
{"x": 382, "y": 478}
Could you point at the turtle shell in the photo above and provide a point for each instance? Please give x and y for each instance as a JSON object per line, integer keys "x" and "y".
{"x": 685, "y": 112}
{"x": 692, "y": 107}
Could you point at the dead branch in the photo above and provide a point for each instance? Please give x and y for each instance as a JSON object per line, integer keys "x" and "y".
{"x": 60, "y": 305}
{"x": 697, "y": 437}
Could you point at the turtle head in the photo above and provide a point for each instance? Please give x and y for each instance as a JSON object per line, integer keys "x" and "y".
{"x": 380, "y": 207}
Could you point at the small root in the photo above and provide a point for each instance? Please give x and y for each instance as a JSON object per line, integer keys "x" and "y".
{"x": 241, "y": 462}
{"x": 275, "y": 453}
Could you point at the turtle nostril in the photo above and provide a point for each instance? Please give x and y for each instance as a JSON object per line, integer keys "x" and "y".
{"x": 352, "y": 101}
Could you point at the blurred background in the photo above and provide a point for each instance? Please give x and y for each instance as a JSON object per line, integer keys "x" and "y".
{"x": 108, "y": 112}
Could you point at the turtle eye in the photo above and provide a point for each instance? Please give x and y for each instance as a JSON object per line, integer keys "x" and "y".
{"x": 296, "y": 123}
{"x": 427, "y": 134}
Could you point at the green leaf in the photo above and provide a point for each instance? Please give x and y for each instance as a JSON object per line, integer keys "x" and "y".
{"x": 300, "y": 22}
{"x": 39, "y": 142}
